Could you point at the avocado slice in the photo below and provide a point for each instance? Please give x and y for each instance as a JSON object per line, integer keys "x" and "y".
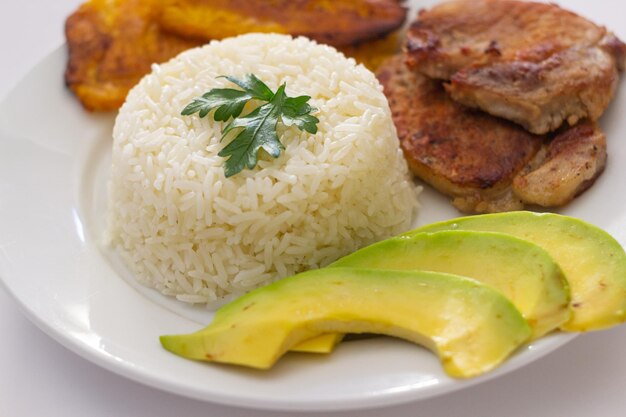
{"x": 594, "y": 263}
{"x": 471, "y": 326}
{"x": 324, "y": 343}
{"x": 522, "y": 271}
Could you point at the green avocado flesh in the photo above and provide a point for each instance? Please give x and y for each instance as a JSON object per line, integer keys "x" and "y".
{"x": 522, "y": 271}
{"x": 593, "y": 262}
{"x": 470, "y": 326}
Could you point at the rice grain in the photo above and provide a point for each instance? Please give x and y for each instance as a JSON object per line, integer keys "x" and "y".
{"x": 186, "y": 230}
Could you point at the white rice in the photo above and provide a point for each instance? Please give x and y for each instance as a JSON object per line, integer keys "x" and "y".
{"x": 186, "y": 230}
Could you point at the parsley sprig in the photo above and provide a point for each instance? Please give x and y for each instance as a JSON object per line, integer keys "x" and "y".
{"x": 257, "y": 129}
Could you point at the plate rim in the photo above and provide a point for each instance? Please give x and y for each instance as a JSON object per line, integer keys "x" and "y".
{"x": 137, "y": 374}
{"x": 377, "y": 401}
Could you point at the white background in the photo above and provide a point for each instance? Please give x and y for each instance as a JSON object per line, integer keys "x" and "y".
{"x": 38, "y": 377}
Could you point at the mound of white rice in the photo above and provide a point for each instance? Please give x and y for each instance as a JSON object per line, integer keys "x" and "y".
{"x": 185, "y": 229}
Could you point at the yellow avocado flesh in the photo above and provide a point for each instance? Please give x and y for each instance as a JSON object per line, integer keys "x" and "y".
{"x": 593, "y": 262}
{"x": 471, "y": 326}
{"x": 522, "y": 271}
{"x": 324, "y": 343}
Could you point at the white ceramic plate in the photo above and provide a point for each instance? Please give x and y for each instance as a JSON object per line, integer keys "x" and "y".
{"x": 54, "y": 161}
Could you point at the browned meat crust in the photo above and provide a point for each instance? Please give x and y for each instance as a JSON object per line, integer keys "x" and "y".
{"x": 569, "y": 86}
{"x": 567, "y": 167}
{"x": 463, "y": 153}
{"x": 477, "y": 158}
{"x": 462, "y": 33}
{"x": 532, "y": 63}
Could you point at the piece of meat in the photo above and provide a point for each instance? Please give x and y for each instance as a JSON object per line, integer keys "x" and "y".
{"x": 112, "y": 44}
{"x": 337, "y": 22}
{"x": 569, "y": 86}
{"x": 457, "y": 34}
{"x": 566, "y": 168}
{"x": 485, "y": 163}
{"x": 532, "y": 63}
{"x": 466, "y": 154}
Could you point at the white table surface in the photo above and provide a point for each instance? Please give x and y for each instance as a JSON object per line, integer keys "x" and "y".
{"x": 39, "y": 377}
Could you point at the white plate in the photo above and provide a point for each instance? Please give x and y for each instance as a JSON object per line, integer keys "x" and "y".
{"x": 53, "y": 166}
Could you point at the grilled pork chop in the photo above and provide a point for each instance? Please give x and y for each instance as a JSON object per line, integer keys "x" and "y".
{"x": 532, "y": 63}
{"x": 564, "y": 169}
{"x": 485, "y": 163}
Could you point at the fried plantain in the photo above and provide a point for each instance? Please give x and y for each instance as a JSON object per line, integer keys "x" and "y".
{"x": 374, "y": 53}
{"x": 335, "y": 22}
{"x": 112, "y": 44}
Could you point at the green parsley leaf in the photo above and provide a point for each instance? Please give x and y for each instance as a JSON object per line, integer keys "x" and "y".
{"x": 256, "y": 130}
{"x": 296, "y": 111}
{"x": 229, "y": 103}
{"x": 253, "y": 86}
